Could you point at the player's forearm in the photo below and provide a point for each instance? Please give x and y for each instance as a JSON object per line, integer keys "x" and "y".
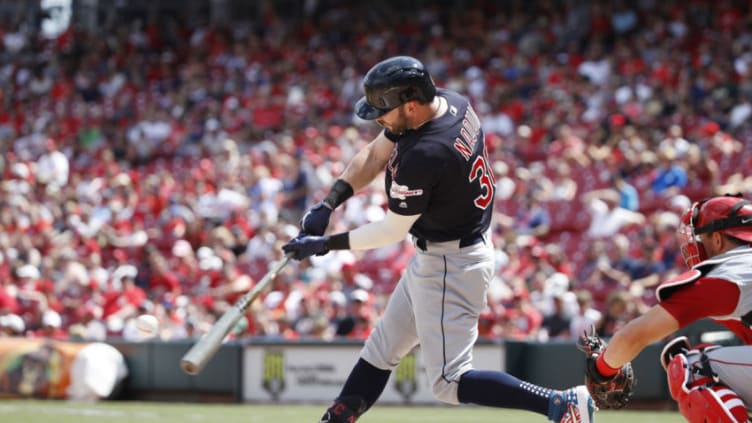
{"x": 392, "y": 229}
{"x": 368, "y": 162}
{"x": 359, "y": 173}
{"x": 362, "y": 170}
{"x": 622, "y": 348}
{"x": 630, "y": 340}
{"x": 389, "y": 231}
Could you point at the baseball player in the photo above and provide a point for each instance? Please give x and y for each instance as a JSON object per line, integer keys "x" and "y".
{"x": 710, "y": 383}
{"x": 441, "y": 191}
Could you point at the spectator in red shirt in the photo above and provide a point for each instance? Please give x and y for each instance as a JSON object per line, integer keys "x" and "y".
{"x": 160, "y": 279}
{"x": 124, "y": 296}
{"x": 8, "y": 301}
{"x": 521, "y": 320}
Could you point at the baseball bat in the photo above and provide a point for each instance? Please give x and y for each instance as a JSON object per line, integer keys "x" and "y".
{"x": 205, "y": 348}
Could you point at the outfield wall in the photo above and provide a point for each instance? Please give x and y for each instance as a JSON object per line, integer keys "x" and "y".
{"x": 315, "y": 373}
{"x": 285, "y": 372}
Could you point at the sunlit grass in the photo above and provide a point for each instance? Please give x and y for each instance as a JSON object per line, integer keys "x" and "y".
{"x": 35, "y": 411}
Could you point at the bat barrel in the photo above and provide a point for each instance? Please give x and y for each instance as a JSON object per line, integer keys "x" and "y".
{"x": 204, "y": 349}
{"x": 197, "y": 357}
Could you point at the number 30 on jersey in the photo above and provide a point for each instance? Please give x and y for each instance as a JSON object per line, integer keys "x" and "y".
{"x": 480, "y": 172}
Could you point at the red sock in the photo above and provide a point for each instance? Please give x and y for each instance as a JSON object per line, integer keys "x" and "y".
{"x": 603, "y": 368}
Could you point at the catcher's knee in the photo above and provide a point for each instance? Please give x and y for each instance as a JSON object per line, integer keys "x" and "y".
{"x": 678, "y": 375}
{"x": 686, "y": 367}
{"x": 700, "y": 397}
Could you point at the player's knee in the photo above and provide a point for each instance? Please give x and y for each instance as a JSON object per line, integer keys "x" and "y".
{"x": 445, "y": 391}
{"x": 375, "y": 354}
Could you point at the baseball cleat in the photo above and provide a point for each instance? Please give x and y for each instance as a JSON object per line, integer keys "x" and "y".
{"x": 571, "y": 406}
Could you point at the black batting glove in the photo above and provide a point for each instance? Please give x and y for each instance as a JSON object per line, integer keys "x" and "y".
{"x": 316, "y": 219}
{"x": 303, "y": 247}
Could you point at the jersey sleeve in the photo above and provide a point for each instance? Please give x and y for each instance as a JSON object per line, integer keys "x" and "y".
{"x": 703, "y": 298}
{"x": 418, "y": 173}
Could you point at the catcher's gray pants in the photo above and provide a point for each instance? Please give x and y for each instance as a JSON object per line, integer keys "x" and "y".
{"x": 733, "y": 365}
{"x": 436, "y": 305}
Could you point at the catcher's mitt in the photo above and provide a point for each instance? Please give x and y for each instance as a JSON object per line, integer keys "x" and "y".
{"x": 607, "y": 392}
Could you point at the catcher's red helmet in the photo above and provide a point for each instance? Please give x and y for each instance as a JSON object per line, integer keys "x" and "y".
{"x": 729, "y": 215}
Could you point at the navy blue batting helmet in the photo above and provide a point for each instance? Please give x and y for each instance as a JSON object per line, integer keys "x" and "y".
{"x": 394, "y": 82}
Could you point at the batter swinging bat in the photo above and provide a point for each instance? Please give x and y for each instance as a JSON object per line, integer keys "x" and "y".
{"x": 203, "y": 350}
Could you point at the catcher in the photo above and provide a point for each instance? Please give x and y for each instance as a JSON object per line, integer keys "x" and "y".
{"x": 710, "y": 383}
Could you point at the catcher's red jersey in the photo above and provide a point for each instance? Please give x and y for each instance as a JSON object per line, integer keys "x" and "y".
{"x": 719, "y": 288}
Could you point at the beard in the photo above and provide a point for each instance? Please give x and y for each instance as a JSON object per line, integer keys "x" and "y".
{"x": 400, "y": 124}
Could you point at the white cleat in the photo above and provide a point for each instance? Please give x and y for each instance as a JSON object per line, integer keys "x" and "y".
{"x": 577, "y": 404}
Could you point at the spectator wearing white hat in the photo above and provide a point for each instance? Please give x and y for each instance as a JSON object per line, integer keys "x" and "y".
{"x": 30, "y": 299}
{"x": 51, "y": 328}
{"x": 11, "y": 325}
{"x": 124, "y": 296}
{"x": 357, "y": 308}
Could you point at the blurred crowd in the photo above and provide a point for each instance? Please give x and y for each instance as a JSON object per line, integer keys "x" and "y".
{"x": 157, "y": 165}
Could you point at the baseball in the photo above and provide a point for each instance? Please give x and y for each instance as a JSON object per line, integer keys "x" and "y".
{"x": 147, "y": 325}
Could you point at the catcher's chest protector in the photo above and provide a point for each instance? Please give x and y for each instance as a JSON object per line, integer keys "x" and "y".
{"x": 702, "y": 400}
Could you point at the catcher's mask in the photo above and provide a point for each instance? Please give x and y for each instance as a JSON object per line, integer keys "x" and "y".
{"x": 729, "y": 215}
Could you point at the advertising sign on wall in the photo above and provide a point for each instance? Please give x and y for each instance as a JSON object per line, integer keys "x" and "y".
{"x": 315, "y": 373}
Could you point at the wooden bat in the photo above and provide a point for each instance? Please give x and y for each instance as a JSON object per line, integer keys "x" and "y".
{"x": 205, "y": 348}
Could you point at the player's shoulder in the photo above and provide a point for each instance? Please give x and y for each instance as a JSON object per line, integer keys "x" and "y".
{"x": 668, "y": 286}
{"x": 430, "y": 149}
{"x": 701, "y": 279}
{"x": 453, "y": 96}
{"x": 457, "y": 103}
{"x": 426, "y": 159}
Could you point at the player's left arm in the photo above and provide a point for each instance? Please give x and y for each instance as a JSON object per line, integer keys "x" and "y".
{"x": 385, "y": 232}
{"x": 394, "y": 227}
{"x": 409, "y": 196}
{"x": 368, "y": 163}
{"x": 705, "y": 297}
{"x": 628, "y": 341}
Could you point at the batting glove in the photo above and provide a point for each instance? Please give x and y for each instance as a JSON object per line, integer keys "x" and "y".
{"x": 316, "y": 219}
{"x": 303, "y": 247}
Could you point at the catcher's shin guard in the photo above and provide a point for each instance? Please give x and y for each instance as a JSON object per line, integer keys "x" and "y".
{"x": 702, "y": 400}
{"x": 715, "y": 403}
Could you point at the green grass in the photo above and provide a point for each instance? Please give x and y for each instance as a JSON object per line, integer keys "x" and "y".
{"x": 34, "y": 411}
